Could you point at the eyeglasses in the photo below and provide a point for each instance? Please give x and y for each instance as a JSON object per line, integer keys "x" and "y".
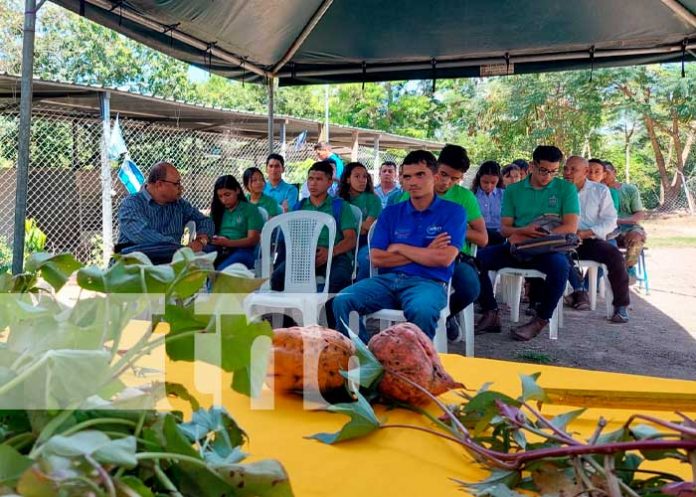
{"x": 547, "y": 172}
{"x": 175, "y": 183}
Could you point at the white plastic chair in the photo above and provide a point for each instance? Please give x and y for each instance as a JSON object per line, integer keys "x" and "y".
{"x": 358, "y": 217}
{"x": 301, "y": 230}
{"x": 397, "y": 315}
{"x": 512, "y": 278}
{"x": 189, "y": 233}
{"x": 592, "y": 268}
{"x": 257, "y": 262}
{"x": 466, "y": 320}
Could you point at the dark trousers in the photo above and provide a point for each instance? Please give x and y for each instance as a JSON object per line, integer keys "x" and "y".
{"x": 554, "y": 266}
{"x": 341, "y": 274}
{"x": 605, "y": 253}
{"x": 157, "y": 253}
{"x": 494, "y": 237}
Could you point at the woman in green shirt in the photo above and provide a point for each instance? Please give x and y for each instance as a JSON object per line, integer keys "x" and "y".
{"x": 254, "y": 183}
{"x": 238, "y": 224}
{"x": 356, "y": 187}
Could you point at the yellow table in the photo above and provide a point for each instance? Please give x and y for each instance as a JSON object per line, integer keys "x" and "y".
{"x": 396, "y": 462}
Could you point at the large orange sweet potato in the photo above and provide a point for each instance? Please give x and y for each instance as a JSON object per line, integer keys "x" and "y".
{"x": 405, "y": 349}
{"x": 305, "y": 358}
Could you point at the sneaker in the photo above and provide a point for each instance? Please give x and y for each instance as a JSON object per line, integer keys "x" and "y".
{"x": 581, "y": 300}
{"x": 529, "y": 330}
{"x": 454, "y": 331}
{"x": 620, "y": 314}
{"x": 632, "y": 276}
{"x": 489, "y": 323}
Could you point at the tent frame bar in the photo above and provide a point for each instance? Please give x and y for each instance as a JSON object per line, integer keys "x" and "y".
{"x": 180, "y": 36}
{"x": 306, "y": 31}
{"x": 681, "y": 11}
{"x": 454, "y": 64}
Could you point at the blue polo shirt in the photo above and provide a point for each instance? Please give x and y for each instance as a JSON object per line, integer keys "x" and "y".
{"x": 284, "y": 191}
{"x": 402, "y": 223}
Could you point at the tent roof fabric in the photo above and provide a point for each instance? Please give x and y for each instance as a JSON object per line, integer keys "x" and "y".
{"x": 329, "y": 41}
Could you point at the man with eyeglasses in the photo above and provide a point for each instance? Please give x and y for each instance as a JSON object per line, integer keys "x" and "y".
{"x": 539, "y": 194}
{"x": 152, "y": 221}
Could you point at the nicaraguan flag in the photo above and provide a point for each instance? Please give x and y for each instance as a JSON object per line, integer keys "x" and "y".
{"x": 130, "y": 176}
{"x": 117, "y": 145}
{"x": 301, "y": 140}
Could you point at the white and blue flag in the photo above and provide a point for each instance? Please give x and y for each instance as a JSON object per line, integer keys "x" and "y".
{"x": 130, "y": 175}
{"x": 117, "y": 145}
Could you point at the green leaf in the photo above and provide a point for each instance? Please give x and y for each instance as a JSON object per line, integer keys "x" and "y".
{"x": 561, "y": 421}
{"x": 180, "y": 391}
{"x": 626, "y": 467}
{"x": 134, "y": 484}
{"x": 120, "y": 452}
{"x": 370, "y": 369}
{"x": 263, "y": 479}
{"x": 363, "y": 421}
{"x": 215, "y": 426}
{"x": 119, "y": 278}
{"x": 530, "y": 389}
{"x": 644, "y": 432}
{"x": 498, "y": 484}
{"x": 519, "y": 437}
{"x": 12, "y": 465}
{"x": 55, "y": 269}
{"x": 227, "y": 281}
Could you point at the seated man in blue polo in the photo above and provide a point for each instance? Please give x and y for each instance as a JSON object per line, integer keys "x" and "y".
{"x": 152, "y": 221}
{"x": 414, "y": 246}
{"x": 540, "y": 193}
{"x": 283, "y": 193}
{"x": 319, "y": 179}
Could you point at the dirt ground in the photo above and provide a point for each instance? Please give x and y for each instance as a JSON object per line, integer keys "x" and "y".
{"x": 659, "y": 340}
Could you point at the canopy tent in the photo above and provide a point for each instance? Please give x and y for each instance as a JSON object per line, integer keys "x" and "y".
{"x": 336, "y": 41}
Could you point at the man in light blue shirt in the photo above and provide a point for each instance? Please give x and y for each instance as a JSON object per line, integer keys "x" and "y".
{"x": 388, "y": 186}
{"x": 152, "y": 221}
{"x": 324, "y": 152}
{"x": 280, "y": 191}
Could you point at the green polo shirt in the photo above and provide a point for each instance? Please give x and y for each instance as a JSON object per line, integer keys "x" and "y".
{"x": 268, "y": 203}
{"x": 237, "y": 223}
{"x": 615, "y": 198}
{"x": 629, "y": 200}
{"x": 464, "y": 197}
{"x": 369, "y": 204}
{"x": 524, "y": 203}
{"x": 348, "y": 221}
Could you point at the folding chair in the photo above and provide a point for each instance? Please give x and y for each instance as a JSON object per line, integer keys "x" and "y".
{"x": 301, "y": 230}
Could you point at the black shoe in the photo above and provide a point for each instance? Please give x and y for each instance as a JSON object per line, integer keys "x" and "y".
{"x": 454, "y": 331}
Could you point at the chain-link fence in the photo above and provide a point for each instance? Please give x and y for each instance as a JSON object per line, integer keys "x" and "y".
{"x": 684, "y": 202}
{"x": 65, "y": 196}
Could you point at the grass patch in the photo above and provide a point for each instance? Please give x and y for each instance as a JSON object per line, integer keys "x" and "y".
{"x": 672, "y": 241}
{"x": 535, "y": 357}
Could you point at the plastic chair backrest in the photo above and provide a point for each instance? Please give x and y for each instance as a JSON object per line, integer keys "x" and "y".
{"x": 189, "y": 233}
{"x": 358, "y": 217}
{"x": 301, "y": 230}
{"x": 264, "y": 213}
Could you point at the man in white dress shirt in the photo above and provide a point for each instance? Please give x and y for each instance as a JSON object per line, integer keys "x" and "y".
{"x": 597, "y": 220}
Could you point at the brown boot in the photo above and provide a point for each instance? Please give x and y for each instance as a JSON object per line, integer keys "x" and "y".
{"x": 489, "y": 323}
{"x": 530, "y": 330}
{"x": 581, "y": 300}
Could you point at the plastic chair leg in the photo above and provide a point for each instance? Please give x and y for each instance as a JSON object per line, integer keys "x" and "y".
{"x": 554, "y": 323}
{"x": 440, "y": 340}
{"x": 466, "y": 323}
{"x": 516, "y": 294}
{"x": 592, "y": 272}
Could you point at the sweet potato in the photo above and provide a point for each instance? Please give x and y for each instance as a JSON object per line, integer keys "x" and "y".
{"x": 307, "y": 358}
{"x": 405, "y": 349}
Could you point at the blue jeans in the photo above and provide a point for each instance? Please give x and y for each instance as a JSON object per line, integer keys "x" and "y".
{"x": 363, "y": 263}
{"x": 157, "y": 253}
{"x": 420, "y": 298}
{"x": 555, "y": 266}
{"x": 246, "y": 256}
{"x": 466, "y": 286}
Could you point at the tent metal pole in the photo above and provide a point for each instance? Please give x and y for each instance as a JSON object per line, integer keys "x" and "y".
{"x": 25, "y": 105}
{"x": 681, "y": 11}
{"x": 283, "y": 137}
{"x": 271, "y": 131}
{"x": 306, "y": 31}
{"x": 106, "y": 187}
{"x": 326, "y": 114}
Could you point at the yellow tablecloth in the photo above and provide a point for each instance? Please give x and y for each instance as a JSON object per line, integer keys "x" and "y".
{"x": 397, "y": 462}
